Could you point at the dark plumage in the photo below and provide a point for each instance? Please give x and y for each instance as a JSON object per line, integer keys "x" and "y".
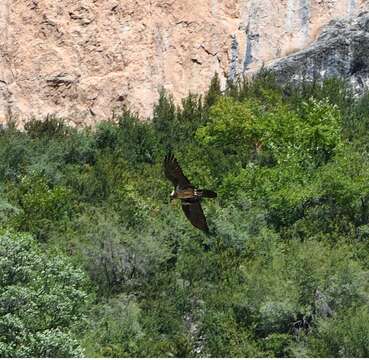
{"x": 187, "y": 193}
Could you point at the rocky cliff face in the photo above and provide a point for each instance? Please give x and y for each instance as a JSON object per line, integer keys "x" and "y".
{"x": 341, "y": 50}
{"x": 83, "y": 59}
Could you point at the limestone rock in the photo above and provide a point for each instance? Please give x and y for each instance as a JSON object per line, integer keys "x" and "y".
{"x": 341, "y": 50}
{"x": 83, "y": 59}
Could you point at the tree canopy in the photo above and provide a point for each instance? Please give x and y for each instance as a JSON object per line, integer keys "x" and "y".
{"x": 94, "y": 261}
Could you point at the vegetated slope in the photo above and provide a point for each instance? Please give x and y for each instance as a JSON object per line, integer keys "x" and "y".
{"x": 287, "y": 269}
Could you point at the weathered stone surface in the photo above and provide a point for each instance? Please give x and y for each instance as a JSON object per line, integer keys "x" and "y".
{"x": 82, "y": 59}
{"x": 341, "y": 50}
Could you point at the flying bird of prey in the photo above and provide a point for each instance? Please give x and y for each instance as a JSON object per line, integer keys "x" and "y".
{"x": 187, "y": 193}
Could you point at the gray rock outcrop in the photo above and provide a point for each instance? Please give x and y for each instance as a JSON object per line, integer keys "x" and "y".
{"x": 341, "y": 50}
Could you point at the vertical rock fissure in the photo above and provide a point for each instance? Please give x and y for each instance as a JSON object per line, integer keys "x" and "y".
{"x": 290, "y": 10}
{"x": 248, "y": 51}
{"x": 234, "y": 59}
{"x": 351, "y": 6}
{"x": 305, "y": 17}
{"x": 252, "y": 37}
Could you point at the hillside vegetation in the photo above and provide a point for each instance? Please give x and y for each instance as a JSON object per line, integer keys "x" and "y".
{"x": 94, "y": 261}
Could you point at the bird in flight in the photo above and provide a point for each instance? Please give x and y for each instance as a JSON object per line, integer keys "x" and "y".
{"x": 187, "y": 193}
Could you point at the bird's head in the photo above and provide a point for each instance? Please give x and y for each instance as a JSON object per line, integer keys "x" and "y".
{"x": 172, "y": 196}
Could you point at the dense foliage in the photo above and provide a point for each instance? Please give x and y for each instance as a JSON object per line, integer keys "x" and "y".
{"x": 40, "y": 298}
{"x": 95, "y": 261}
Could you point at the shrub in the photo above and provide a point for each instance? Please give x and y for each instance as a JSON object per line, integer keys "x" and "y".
{"x": 345, "y": 335}
{"x": 41, "y": 299}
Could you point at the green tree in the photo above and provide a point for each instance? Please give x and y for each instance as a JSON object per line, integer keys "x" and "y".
{"x": 42, "y": 205}
{"x": 214, "y": 91}
{"x": 41, "y": 299}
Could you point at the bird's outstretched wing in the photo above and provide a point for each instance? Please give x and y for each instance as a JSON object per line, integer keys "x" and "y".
{"x": 195, "y": 214}
{"x": 174, "y": 172}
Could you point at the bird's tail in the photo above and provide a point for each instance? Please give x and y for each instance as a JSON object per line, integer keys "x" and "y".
{"x": 208, "y": 193}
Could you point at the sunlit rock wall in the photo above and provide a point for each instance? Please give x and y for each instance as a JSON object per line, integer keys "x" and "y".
{"x": 85, "y": 59}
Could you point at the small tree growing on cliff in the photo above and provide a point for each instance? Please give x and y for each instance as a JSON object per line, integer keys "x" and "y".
{"x": 214, "y": 91}
{"x": 164, "y": 118}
